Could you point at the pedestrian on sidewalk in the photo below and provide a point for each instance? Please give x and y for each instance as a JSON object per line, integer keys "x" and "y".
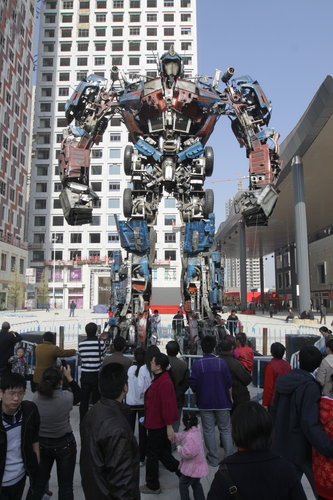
{"x": 8, "y": 339}
{"x": 232, "y": 322}
{"x": 91, "y": 351}
{"x": 72, "y": 308}
{"x": 193, "y": 464}
{"x": 243, "y": 352}
{"x": 323, "y": 312}
{"x": 179, "y": 374}
{"x": 274, "y": 369}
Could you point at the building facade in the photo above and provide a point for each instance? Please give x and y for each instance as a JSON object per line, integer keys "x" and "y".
{"x": 78, "y": 38}
{"x": 16, "y": 64}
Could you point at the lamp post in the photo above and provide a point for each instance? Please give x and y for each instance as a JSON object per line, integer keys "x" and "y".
{"x": 54, "y": 267}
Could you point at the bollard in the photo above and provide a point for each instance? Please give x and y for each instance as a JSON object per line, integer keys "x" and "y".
{"x": 264, "y": 341}
{"x": 61, "y": 336}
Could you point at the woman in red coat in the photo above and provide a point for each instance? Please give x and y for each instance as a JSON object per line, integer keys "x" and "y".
{"x": 323, "y": 466}
{"x": 160, "y": 413}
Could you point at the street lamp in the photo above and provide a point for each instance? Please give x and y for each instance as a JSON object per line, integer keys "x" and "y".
{"x": 54, "y": 267}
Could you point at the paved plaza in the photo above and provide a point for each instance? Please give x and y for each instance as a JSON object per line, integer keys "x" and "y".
{"x": 169, "y": 481}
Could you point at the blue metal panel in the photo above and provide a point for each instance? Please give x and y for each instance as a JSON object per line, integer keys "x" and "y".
{"x": 148, "y": 150}
{"x": 204, "y": 238}
{"x": 191, "y": 152}
{"x": 134, "y": 235}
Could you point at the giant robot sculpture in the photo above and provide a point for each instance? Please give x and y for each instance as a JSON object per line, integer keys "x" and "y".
{"x": 169, "y": 120}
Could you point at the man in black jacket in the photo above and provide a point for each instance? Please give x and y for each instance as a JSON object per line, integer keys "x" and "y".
{"x": 109, "y": 462}
{"x": 19, "y": 447}
{"x": 7, "y": 341}
{"x": 296, "y": 414}
{"x": 180, "y": 374}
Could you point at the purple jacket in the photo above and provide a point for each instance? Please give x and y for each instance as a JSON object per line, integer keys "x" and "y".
{"x": 210, "y": 380}
{"x": 192, "y": 455}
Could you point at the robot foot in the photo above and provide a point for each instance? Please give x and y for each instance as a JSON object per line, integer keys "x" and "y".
{"x": 77, "y": 202}
{"x": 256, "y": 206}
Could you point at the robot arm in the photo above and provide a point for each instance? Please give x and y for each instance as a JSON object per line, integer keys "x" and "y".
{"x": 91, "y": 105}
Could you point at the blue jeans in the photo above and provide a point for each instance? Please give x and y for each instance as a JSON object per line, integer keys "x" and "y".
{"x": 221, "y": 418}
{"x": 184, "y": 484}
{"x": 63, "y": 451}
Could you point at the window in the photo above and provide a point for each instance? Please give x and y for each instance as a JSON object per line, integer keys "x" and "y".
{"x": 185, "y": 17}
{"x": 67, "y": 18}
{"x": 63, "y": 91}
{"x": 114, "y": 153}
{"x": 151, "y": 3}
{"x": 75, "y": 254}
{"x": 66, "y": 33}
{"x": 83, "y": 33}
{"x": 64, "y": 77}
{"x": 82, "y": 47}
{"x": 82, "y": 61}
{"x": 100, "y": 31}
{"x": 2, "y": 188}
{"x": 99, "y": 61}
{"x": 117, "y": 61}
{"x": 114, "y": 169}
{"x": 187, "y": 60}
{"x": 65, "y": 61}
{"x": 57, "y": 220}
{"x": 49, "y": 33}
{"x": 41, "y": 170}
{"x": 5, "y": 142}
{"x": 169, "y": 220}
{"x": 168, "y": 3}
{"x": 321, "y": 268}
{"x": 154, "y": 274}
{"x": 170, "y": 274}
{"x": 47, "y": 62}
{"x": 83, "y": 19}
{"x": 111, "y": 220}
{"x": 46, "y": 92}
{"x": 50, "y": 18}
{"x": 169, "y": 238}
{"x": 67, "y": 5}
{"x": 56, "y": 203}
{"x": 96, "y": 220}
{"x": 45, "y": 107}
{"x": 57, "y": 187}
{"x": 94, "y": 238}
{"x": 94, "y": 254}
{"x": 47, "y": 77}
{"x": 39, "y": 237}
{"x": 97, "y": 153}
{"x": 134, "y": 17}
{"x": 118, "y": 18}
{"x": 118, "y": 4}
{"x": 80, "y": 75}
{"x": 134, "y": 61}
{"x": 151, "y": 45}
{"x": 37, "y": 255}
{"x": 186, "y": 45}
{"x": 169, "y": 32}
{"x": 96, "y": 169}
{"x": 97, "y": 203}
{"x": 41, "y": 187}
{"x": 61, "y": 122}
{"x": 169, "y": 18}
{"x": 134, "y": 46}
{"x": 100, "y": 46}
{"x": 57, "y": 237}
{"x": 169, "y": 203}
{"x": 40, "y": 204}
{"x": 114, "y": 186}
{"x": 117, "y": 31}
{"x": 134, "y": 4}
{"x": 100, "y": 18}
{"x": 115, "y": 136}
{"x": 185, "y": 31}
{"x": 76, "y": 237}
{"x": 114, "y": 202}
{"x": 113, "y": 237}
{"x": 96, "y": 186}
{"x": 152, "y": 18}
{"x": 84, "y": 4}
{"x": 39, "y": 220}
{"x": 101, "y": 4}
{"x": 117, "y": 46}
{"x": 134, "y": 31}
{"x": 56, "y": 255}
{"x": 151, "y": 31}
{"x": 3, "y": 262}
{"x": 185, "y": 3}
{"x": 48, "y": 47}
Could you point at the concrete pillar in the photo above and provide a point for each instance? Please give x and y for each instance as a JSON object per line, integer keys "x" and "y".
{"x": 302, "y": 251}
{"x": 242, "y": 265}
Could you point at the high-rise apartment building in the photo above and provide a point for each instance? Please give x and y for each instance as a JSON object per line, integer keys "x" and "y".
{"x": 232, "y": 265}
{"x": 77, "y": 38}
{"x": 16, "y": 60}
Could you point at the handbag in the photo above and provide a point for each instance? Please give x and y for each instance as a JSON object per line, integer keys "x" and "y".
{"x": 232, "y": 488}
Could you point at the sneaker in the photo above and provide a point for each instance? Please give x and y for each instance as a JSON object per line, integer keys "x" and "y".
{"x": 147, "y": 491}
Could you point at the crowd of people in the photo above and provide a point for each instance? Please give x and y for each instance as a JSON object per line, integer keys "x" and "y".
{"x": 266, "y": 447}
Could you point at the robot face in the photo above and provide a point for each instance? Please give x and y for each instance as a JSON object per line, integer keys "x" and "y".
{"x": 171, "y": 65}
{"x": 172, "y": 68}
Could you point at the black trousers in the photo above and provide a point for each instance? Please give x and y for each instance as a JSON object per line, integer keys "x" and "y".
{"x": 138, "y": 410}
{"x": 89, "y": 388}
{"x": 13, "y": 492}
{"x": 158, "y": 448}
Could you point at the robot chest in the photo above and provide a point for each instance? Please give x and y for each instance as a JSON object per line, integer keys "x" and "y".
{"x": 185, "y": 103}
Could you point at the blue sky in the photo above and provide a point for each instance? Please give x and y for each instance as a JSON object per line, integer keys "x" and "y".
{"x": 286, "y": 46}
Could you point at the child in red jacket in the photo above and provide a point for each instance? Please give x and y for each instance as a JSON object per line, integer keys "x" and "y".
{"x": 273, "y": 371}
{"x": 243, "y": 352}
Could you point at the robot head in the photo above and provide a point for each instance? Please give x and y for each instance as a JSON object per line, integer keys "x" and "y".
{"x": 171, "y": 66}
